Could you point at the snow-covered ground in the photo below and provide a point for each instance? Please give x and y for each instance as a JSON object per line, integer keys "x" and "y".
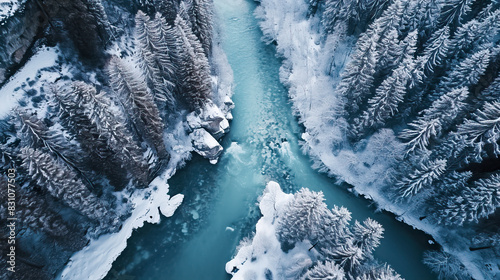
{"x": 311, "y": 70}
{"x": 9, "y": 7}
{"x": 263, "y": 252}
{"x": 95, "y": 260}
{"x": 15, "y": 88}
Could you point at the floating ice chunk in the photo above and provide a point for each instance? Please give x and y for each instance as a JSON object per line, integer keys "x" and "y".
{"x": 169, "y": 206}
{"x": 195, "y": 214}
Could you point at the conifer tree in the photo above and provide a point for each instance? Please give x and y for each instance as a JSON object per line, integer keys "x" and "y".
{"x": 38, "y": 215}
{"x": 453, "y": 12}
{"x": 347, "y": 255}
{"x": 475, "y": 33}
{"x": 194, "y": 70}
{"x": 435, "y": 119}
{"x": 62, "y": 183}
{"x": 483, "y": 129}
{"x": 357, "y": 78}
{"x": 388, "y": 96}
{"x": 138, "y": 103}
{"x": 377, "y": 272}
{"x": 101, "y": 133}
{"x": 465, "y": 74}
{"x": 155, "y": 58}
{"x": 200, "y": 14}
{"x": 306, "y": 217}
{"x": 445, "y": 265}
{"x": 421, "y": 178}
{"x": 325, "y": 270}
{"x": 436, "y": 50}
{"x": 367, "y": 236}
{"x": 475, "y": 201}
{"x": 35, "y": 133}
{"x": 331, "y": 14}
{"x": 88, "y": 27}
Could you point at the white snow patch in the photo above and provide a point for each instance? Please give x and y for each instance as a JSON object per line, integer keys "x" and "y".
{"x": 95, "y": 260}
{"x": 10, "y": 93}
{"x": 9, "y": 7}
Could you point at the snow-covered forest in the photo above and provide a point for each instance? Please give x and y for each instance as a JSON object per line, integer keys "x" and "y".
{"x": 102, "y": 101}
{"x": 400, "y": 99}
{"x": 132, "y": 88}
{"x": 298, "y": 237}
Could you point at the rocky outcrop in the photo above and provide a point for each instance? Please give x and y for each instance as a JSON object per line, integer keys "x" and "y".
{"x": 207, "y": 125}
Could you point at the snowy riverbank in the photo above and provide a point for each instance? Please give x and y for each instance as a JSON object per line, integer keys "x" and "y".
{"x": 96, "y": 259}
{"x": 311, "y": 67}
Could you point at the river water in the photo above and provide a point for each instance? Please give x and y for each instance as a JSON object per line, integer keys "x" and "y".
{"x": 219, "y": 207}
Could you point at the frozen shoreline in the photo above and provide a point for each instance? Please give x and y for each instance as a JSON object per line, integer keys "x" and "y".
{"x": 96, "y": 259}
{"x": 310, "y": 72}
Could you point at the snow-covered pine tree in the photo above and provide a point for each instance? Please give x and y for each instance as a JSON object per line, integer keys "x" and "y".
{"x": 97, "y": 155}
{"x": 434, "y": 119}
{"x": 367, "y": 236}
{"x": 475, "y": 201}
{"x": 492, "y": 92}
{"x": 436, "y": 50}
{"x": 389, "y": 20}
{"x": 427, "y": 17}
{"x": 110, "y": 126}
{"x": 445, "y": 265}
{"x": 306, "y": 217}
{"x": 465, "y": 74}
{"x": 63, "y": 183}
{"x": 200, "y": 15}
{"x": 475, "y": 33}
{"x": 378, "y": 272}
{"x": 421, "y": 178}
{"x": 357, "y": 78}
{"x": 388, "y": 96}
{"x": 446, "y": 206}
{"x": 88, "y": 27}
{"x": 325, "y": 270}
{"x": 347, "y": 255}
{"x": 483, "y": 129}
{"x": 138, "y": 103}
{"x": 193, "y": 67}
{"x": 101, "y": 133}
{"x": 388, "y": 49}
{"x": 331, "y": 14}
{"x": 340, "y": 232}
{"x": 420, "y": 133}
{"x": 38, "y": 215}
{"x": 34, "y": 132}
{"x": 406, "y": 48}
{"x": 453, "y": 12}
{"x": 155, "y": 58}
